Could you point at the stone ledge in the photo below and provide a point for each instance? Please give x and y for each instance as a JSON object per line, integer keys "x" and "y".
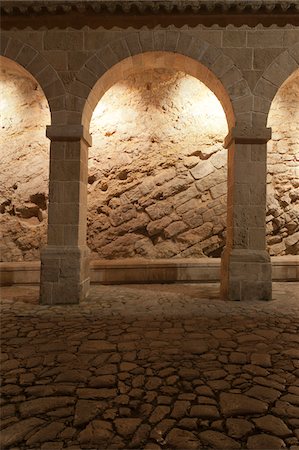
{"x": 284, "y": 268}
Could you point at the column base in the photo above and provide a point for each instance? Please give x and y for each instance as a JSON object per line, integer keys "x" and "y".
{"x": 246, "y": 275}
{"x": 64, "y": 275}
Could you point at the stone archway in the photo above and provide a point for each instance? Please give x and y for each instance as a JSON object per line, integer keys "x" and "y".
{"x": 24, "y": 115}
{"x": 283, "y": 170}
{"x": 47, "y": 77}
{"x": 246, "y": 269}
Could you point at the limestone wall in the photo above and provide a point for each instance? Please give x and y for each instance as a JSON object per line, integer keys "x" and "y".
{"x": 157, "y": 169}
{"x": 283, "y": 171}
{"x": 24, "y": 172}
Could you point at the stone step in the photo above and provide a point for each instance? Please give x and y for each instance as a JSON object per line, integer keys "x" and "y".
{"x": 284, "y": 268}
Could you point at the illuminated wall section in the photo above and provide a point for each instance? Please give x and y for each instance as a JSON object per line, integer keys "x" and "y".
{"x": 24, "y": 171}
{"x": 283, "y": 171}
{"x": 157, "y": 169}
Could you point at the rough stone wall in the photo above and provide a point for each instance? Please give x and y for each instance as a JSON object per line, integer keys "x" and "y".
{"x": 157, "y": 169}
{"x": 157, "y": 177}
{"x": 283, "y": 171}
{"x": 24, "y": 172}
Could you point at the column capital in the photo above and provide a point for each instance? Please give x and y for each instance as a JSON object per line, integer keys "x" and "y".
{"x": 242, "y": 134}
{"x": 68, "y": 133}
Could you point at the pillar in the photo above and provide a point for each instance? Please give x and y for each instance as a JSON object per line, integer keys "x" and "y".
{"x": 65, "y": 259}
{"x": 245, "y": 263}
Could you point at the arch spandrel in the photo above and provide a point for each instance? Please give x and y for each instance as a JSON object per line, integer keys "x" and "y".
{"x": 39, "y": 68}
{"x": 164, "y": 48}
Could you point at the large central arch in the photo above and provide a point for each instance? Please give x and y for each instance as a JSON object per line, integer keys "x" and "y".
{"x": 67, "y": 249}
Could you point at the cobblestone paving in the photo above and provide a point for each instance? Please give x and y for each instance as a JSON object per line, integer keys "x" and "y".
{"x": 150, "y": 367}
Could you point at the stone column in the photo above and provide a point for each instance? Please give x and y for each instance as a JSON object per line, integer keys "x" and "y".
{"x": 245, "y": 264}
{"x": 65, "y": 259}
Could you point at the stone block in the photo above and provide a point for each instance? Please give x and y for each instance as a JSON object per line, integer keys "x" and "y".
{"x": 239, "y": 89}
{"x": 95, "y": 66}
{"x": 294, "y": 52}
{"x": 185, "y": 42}
{"x": 209, "y": 56}
{"x": 197, "y": 49}
{"x": 121, "y": 49}
{"x": 219, "y": 190}
{"x": 146, "y": 40}
{"x": 231, "y": 76}
{"x": 213, "y": 37}
{"x": 243, "y": 104}
{"x": 63, "y": 40}
{"x": 261, "y": 104}
{"x": 256, "y": 238}
{"x": 87, "y": 77}
{"x": 133, "y": 43}
{"x": 222, "y": 65}
{"x": 277, "y": 74}
{"x": 202, "y": 169}
{"x": 26, "y": 55}
{"x": 3, "y": 43}
{"x": 13, "y": 48}
{"x": 47, "y": 76}
{"x": 54, "y": 90}
{"x": 290, "y": 37}
{"x": 79, "y": 89}
{"x": 263, "y": 57}
{"x": 171, "y": 40}
{"x": 107, "y": 56}
{"x": 242, "y": 57}
{"x": 265, "y": 89}
{"x": 57, "y": 59}
{"x": 265, "y": 38}
{"x": 234, "y": 38}
{"x": 55, "y": 234}
{"x": 37, "y": 65}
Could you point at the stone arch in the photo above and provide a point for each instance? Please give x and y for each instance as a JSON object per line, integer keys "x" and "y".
{"x": 283, "y": 66}
{"x": 177, "y": 49}
{"x": 39, "y": 68}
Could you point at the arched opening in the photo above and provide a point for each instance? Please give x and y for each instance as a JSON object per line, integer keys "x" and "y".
{"x": 283, "y": 171}
{"x": 24, "y": 114}
{"x": 157, "y": 168}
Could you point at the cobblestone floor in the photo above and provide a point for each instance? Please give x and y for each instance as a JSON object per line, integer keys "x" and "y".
{"x": 150, "y": 367}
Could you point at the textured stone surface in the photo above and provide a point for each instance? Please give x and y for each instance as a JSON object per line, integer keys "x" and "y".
{"x": 146, "y": 390}
{"x": 152, "y": 182}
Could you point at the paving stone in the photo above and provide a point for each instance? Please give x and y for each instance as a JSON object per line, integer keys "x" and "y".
{"x": 182, "y": 439}
{"x": 180, "y": 409}
{"x": 47, "y": 433}
{"x": 42, "y": 405}
{"x": 195, "y": 347}
{"x": 264, "y": 442}
{"x": 273, "y": 425}
{"x": 17, "y": 432}
{"x": 140, "y": 436}
{"x": 261, "y": 359}
{"x": 97, "y": 432}
{"x": 189, "y": 424}
{"x": 238, "y": 428}
{"x": 96, "y": 393}
{"x": 159, "y": 413}
{"x": 239, "y": 404}
{"x": 127, "y": 427}
{"x": 218, "y": 440}
{"x": 204, "y": 412}
{"x": 86, "y": 410}
{"x": 97, "y": 346}
{"x": 103, "y": 381}
{"x": 73, "y": 376}
{"x": 263, "y": 393}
